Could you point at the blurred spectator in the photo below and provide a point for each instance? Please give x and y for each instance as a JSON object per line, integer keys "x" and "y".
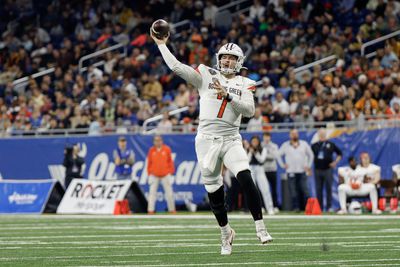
{"x": 123, "y": 160}
{"x": 191, "y": 115}
{"x": 165, "y": 125}
{"x": 280, "y": 105}
{"x": 276, "y": 38}
{"x": 73, "y": 164}
{"x": 265, "y": 91}
{"x": 388, "y": 57}
{"x": 366, "y": 101}
{"x": 359, "y": 181}
{"x": 152, "y": 90}
{"x": 257, "y": 10}
{"x": 198, "y": 53}
{"x": 298, "y": 158}
{"x": 396, "y": 98}
{"x": 209, "y": 13}
{"x": 255, "y": 124}
{"x": 270, "y": 167}
{"x": 257, "y": 155}
{"x": 324, "y": 164}
{"x": 182, "y": 96}
{"x": 160, "y": 166}
{"x": 305, "y": 119}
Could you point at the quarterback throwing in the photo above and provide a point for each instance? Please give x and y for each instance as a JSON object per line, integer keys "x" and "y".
{"x": 224, "y": 98}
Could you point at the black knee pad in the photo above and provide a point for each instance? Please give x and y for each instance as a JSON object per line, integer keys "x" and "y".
{"x": 217, "y": 200}
{"x": 217, "y": 204}
{"x": 251, "y": 193}
{"x": 245, "y": 180}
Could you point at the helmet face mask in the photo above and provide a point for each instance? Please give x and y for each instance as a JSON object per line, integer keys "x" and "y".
{"x": 234, "y": 50}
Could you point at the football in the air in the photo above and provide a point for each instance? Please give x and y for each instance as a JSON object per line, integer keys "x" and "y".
{"x": 160, "y": 28}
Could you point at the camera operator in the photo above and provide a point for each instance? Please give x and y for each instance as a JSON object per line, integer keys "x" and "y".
{"x": 72, "y": 163}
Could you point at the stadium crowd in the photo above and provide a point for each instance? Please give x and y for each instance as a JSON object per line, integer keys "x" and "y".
{"x": 276, "y": 36}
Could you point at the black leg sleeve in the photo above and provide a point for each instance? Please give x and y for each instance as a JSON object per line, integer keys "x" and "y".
{"x": 217, "y": 204}
{"x": 251, "y": 192}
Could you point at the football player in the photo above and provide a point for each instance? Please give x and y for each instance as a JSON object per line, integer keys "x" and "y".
{"x": 225, "y": 97}
{"x": 359, "y": 181}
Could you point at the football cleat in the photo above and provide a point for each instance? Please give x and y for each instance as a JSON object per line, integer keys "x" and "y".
{"x": 226, "y": 247}
{"x": 264, "y": 236}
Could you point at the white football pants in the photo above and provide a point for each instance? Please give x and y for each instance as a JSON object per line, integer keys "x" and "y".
{"x": 345, "y": 190}
{"x": 212, "y": 150}
{"x": 259, "y": 178}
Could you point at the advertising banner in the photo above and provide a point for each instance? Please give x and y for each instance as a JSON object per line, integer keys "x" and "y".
{"x": 92, "y": 197}
{"x": 24, "y": 196}
{"x": 35, "y": 158}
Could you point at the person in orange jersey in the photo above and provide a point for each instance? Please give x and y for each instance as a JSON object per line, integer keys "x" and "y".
{"x": 160, "y": 166}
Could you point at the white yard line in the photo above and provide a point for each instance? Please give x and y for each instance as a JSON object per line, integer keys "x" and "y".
{"x": 101, "y": 235}
{"x": 34, "y": 242}
{"x": 200, "y": 216}
{"x": 181, "y": 227}
{"x": 215, "y": 246}
{"x": 201, "y": 243}
{"x": 374, "y": 264}
{"x": 282, "y": 263}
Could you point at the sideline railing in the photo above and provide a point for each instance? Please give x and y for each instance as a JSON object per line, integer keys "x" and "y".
{"x": 22, "y": 82}
{"x": 317, "y": 62}
{"x": 378, "y": 40}
{"x": 99, "y": 53}
{"x": 159, "y": 117}
{"x": 362, "y": 123}
{"x": 232, "y": 4}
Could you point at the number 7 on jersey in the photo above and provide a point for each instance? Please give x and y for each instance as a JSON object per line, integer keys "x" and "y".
{"x": 222, "y": 107}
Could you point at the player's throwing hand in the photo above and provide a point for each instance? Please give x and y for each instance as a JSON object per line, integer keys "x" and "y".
{"x": 159, "y": 41}
{"x": 220, "y": 90}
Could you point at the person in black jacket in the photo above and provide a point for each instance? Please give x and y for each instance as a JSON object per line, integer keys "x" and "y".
{"x": 324, "y": 163}
{"x": 73, "y": 164}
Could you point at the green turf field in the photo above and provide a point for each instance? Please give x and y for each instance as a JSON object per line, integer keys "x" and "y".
{"x": 194, "y": 241}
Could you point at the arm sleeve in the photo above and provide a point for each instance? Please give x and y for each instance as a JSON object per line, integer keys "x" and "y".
{"x": 337, "y": 150}
{"x": 244, "y": 105}
{"x": 131, "y": 158}
{"x": 149, "y": 163}
{"x": 171, "y": 166}
{"x": 310, "y": 155}
{"x": 184, "y": 71}
{"x": 314, "y": 148}
{"x": 249, "y": 155}
{"x": 280, "y": 154}
{"x": 261, "y": 156}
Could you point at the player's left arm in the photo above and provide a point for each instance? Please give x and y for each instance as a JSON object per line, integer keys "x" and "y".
{"x": 338, "y": 156}
{"x": 376, "y": 175}
{"x": 310, "y": 156}
{"x": 170, "y": 161}
{"x": 261, "y": 156}
{"x": 244, "y": 105}
{"x": 131, "y": 158}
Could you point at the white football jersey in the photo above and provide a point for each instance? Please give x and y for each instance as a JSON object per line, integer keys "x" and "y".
{"x": 372, "y": 171}
{"x": 350, "y": 174}
{"x": 217, "y": 116}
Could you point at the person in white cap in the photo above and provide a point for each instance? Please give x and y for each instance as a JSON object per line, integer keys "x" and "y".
{"x": 225, "y": 97}
{"x": 265, "y": 91}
